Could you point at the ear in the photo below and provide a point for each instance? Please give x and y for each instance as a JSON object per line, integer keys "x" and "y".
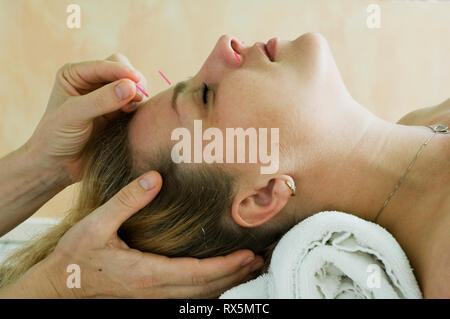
{"x": 254, "y": 207}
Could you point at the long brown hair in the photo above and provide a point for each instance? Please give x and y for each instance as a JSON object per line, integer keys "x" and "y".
{"x": 189, "y": 217}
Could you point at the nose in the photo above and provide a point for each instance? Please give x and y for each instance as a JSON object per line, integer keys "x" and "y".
{"x": 227, "y": 54}
{"x": 230, "y": 49}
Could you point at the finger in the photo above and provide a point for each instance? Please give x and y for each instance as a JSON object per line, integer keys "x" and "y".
{"x": 127, "y": 202}
{"x": 138, "y": 97}
{"x": 215, "y": 288}
{"x": 104, "y": 100}
{"x": 143, "y": 81}
{"x": 130, "y": 107}
{"x": 88, "y": 75}
{"x": 118, "y": 57}
{"x": 200, "y": 271}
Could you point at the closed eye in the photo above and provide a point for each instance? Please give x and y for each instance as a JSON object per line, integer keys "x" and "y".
{"x": 205, "y": 93}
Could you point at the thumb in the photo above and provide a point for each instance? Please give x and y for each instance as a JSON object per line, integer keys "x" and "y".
{"x": 128, "y": 201}
{"x": 107, "y": 99}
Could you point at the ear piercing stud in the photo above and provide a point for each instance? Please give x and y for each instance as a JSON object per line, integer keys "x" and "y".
{"x": 291, "y": 186}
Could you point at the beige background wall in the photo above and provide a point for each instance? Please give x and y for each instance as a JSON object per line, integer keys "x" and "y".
{"x": 402, "y": 66}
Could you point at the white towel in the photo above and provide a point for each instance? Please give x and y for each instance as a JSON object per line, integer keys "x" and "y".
{"x": 334, "y": 255}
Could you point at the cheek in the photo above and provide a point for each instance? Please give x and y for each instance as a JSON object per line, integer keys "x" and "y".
{"x": 259, "y": 105}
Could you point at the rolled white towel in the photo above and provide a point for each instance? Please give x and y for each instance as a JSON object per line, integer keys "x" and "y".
{"x": 334, "y": 255}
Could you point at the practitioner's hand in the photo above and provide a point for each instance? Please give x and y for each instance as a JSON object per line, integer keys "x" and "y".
{"x": 85, "y": 95}
{"x": 109, "y": 268}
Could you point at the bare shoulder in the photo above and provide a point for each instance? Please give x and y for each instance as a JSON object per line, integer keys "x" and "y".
{"x": 429, "y": 115}
{"x": 435, "y": 277}
{"x": 436, "y": 281}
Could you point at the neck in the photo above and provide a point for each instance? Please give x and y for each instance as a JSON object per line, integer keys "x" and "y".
{"x": 358, "y": 166}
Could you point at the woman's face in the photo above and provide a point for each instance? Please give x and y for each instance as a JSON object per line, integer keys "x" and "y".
{"x": 248, "y": 88}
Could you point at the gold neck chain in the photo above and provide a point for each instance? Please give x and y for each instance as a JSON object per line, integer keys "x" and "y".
{"x": 437, "y": 128}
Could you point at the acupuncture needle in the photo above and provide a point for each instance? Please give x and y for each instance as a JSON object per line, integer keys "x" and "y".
{"x": 141, "y": 89}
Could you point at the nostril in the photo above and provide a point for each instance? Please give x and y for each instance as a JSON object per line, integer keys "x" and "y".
{"x": 235, "y": 46}
{"x": 237, "y": 57}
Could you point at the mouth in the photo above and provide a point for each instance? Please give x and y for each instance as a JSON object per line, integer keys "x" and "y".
{"x": 269, "y": 49}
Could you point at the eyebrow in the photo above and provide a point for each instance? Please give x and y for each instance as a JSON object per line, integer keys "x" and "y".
{"x": 179, "y": 88}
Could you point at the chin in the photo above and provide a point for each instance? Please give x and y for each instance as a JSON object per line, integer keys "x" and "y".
{"x": 314, "y": 57}
{"x": 312, "y": 40}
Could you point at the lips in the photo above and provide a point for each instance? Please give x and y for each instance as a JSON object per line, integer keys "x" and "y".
{"x": 271, "y": 48}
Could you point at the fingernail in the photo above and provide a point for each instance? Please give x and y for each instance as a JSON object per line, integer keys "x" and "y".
{"x": 256, "y": 266}
{"x": 123, "y": 90}
{"x": 247, "y": 261}
{"x": 148, "y": 182}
